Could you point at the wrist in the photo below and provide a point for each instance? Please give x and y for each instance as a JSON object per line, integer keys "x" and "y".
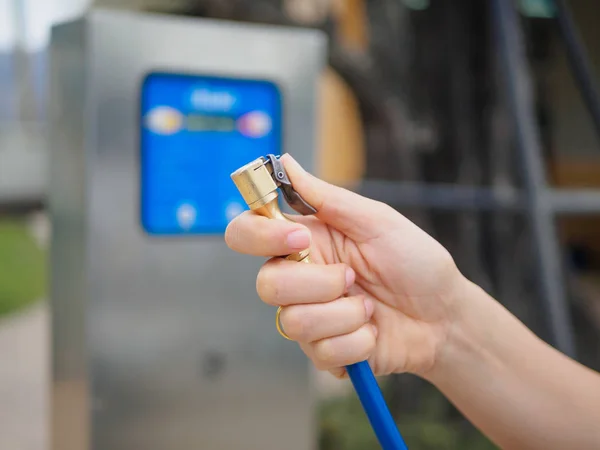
{"x": 469, "y": 332}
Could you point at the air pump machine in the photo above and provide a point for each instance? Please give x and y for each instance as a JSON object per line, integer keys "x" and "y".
{"x": 159, "y": 340}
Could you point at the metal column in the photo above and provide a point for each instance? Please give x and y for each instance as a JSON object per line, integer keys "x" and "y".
{"x": 539, "y": 208}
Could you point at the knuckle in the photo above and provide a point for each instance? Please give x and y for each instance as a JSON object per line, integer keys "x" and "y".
{"x": 369, "y": 342}
{"x": 382, "y": 208}
{"x": 318, "y": 364}
{"x": 340, "y": 277}
{"x": 232, "y": 234}
{"x": 324, "y": 353}
{"x": 339, "y": 372}
{"x": 267, "y": 285}
{"x": 355, "y": 313}
{"x": 447, "y": 261}
{"x": 358, "y": 306}
{"x": 294, "y": 323}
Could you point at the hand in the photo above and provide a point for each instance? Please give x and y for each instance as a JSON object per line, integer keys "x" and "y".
{"x": 380, "y": 289}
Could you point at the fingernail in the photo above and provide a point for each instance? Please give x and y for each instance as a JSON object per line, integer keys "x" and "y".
{"x": 299, "y": 239}
{"x": 369, "y": 307}
{"x": 375, "y": 330}
{"x": 350, "y": 277}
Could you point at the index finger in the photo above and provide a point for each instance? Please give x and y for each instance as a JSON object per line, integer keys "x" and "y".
{"x": 252, "y": 234}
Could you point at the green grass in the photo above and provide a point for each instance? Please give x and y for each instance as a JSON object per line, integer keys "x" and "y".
{"x": 22, "y": 267}
{"x": 343, "y": 426}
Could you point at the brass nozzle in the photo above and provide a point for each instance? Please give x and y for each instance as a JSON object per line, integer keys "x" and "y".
{"x": 255, "y": 183}
{"x": 259, "y": 190}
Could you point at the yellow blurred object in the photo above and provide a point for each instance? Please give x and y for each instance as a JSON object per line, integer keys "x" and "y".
{"x": 575, "y": 173}
{"x": 341, "y": 150}
{"x": 351, "y": 17}
{"x": 578, "y": 174}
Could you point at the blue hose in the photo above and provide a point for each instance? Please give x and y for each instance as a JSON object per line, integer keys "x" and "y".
{"x": 375, "y": 407}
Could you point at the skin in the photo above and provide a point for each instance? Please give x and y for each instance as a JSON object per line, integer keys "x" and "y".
{"x": 383, "y": 290}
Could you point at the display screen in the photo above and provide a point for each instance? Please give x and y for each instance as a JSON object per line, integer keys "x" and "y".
{"x": 195, "y": 132}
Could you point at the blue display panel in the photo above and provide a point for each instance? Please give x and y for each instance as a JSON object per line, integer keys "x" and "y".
{"x": 195, "y": 132}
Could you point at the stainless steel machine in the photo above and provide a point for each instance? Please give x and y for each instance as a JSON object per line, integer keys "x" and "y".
{"x": 159, "y": 339}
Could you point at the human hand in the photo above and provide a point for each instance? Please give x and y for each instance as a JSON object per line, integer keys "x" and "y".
{"x": 381, "y": 289}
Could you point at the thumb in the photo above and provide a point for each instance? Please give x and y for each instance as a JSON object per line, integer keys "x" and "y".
{"x": 356, "y": 216}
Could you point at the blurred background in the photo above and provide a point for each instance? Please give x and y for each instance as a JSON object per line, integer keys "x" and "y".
{"x": 415, "y": 110}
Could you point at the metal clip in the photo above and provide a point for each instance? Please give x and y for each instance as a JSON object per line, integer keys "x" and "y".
{"x": 296, "y": 202}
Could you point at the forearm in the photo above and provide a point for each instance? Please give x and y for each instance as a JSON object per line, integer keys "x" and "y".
{"x": 520, "y": 392}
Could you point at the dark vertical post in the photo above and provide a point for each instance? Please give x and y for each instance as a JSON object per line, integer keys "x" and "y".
{"x": 539, "y": 209}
